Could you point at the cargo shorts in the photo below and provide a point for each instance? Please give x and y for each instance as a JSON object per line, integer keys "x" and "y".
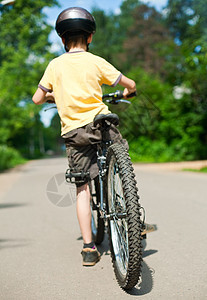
{"x": 81, "y": 148}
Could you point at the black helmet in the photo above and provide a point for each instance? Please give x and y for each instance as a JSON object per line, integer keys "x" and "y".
{"x": 75, "y": 19}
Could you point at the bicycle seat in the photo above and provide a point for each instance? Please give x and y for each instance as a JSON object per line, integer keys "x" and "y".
{"x": 101, "y": 118}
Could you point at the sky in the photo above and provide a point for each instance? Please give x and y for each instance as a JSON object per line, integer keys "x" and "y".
{"x": 107, "y": 5}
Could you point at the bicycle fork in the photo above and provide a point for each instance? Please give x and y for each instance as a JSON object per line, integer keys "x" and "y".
{"x": 102, "y": 173}
{"x": 102, "y": 177}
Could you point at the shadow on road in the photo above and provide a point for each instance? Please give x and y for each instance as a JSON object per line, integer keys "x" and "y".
{"x": 104, "y": 247}
{"x": 148, "y": 253}
{"x": 11, "y": 205}
{"x": 146, "y": 283}
{"x": 13, "y": 243}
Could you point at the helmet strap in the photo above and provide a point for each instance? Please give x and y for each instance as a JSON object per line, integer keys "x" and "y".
{"x": 87, "y": 44}
{"x": 65, "y": 44}
{"x": 66, "y": 48}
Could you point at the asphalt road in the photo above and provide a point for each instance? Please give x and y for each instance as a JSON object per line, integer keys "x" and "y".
{"x": 40, "y": 241}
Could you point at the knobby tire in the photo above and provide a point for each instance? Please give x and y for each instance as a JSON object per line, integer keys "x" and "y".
{"x": 128, "y": 229}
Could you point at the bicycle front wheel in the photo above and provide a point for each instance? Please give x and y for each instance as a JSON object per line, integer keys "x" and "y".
{"x": 124, "y": 222}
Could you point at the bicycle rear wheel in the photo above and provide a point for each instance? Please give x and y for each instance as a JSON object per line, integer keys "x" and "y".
{"x": 97, "y": 223}
{"x": 124, "y": 223}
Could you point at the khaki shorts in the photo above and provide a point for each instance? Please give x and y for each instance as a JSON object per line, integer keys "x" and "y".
{"x": 81, "y": 148}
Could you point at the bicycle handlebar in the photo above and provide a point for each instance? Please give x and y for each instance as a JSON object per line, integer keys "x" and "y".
{"x": 112, "y": 98}
{"x": 115, "y": 98}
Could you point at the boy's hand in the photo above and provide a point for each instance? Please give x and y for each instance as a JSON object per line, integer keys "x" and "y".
{"x": 129, "y": 85}
{"x": 41, "y": 97}
{"x": 128, "y": 93}
{"x": 50, "y": 98}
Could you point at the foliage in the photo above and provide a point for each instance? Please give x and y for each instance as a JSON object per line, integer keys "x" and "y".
{"x": 112, "y": 32}
{"x": 23, "y": 56}
{"x": 187, "y": 19}
{"x": 54, "y": 143}
{"x": 9, "y": 157}
{"x": 147, "y": 41}
{"x": 179, "y": 14}
{"x": 158, "y": 126}
{"x": 104, "y": 41}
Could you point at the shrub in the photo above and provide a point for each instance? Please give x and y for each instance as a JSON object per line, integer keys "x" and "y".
{"x": 9, "y": 157}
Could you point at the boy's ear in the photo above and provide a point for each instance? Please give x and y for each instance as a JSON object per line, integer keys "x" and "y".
{"x": 90, "y": 38}
{"x": 63, "y": 40}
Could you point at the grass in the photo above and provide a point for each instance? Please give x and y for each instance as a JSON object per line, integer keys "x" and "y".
{"x": 202, "y": 170}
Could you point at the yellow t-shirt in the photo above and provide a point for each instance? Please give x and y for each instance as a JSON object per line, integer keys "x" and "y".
{"x": 76, "y": 79}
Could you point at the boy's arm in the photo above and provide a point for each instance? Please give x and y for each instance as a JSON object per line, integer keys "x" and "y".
{"x": 129, "y": 84}
{"x": 41, "y": 97}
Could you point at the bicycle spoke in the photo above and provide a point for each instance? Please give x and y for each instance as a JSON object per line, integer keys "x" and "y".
{"x": 122, "y": 246}
{"x": 122, "y": 236}
{"x": 120, "y": 231}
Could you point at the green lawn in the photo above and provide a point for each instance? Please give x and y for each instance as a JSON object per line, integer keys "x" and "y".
{"x": 203, "y": 170}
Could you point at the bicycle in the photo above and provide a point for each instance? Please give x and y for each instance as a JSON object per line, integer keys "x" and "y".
{"x": 115, "y": 201}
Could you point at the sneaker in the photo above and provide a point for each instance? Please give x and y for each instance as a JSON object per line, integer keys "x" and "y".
{"x": 90, "y": 256}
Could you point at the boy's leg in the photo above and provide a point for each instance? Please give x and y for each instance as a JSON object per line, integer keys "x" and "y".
{"x": 84, "y": 212}
{"x": 90, "y": 254}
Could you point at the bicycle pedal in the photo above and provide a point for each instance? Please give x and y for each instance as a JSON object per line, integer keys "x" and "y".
{"x": 147, "y": 228}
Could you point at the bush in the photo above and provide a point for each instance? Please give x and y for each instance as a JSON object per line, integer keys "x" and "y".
{"x": 9, "y": 157}
{"x": 145, "y": 150}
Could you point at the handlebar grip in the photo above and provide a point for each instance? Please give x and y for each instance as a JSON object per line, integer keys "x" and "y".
{"x": 50, "y": 101}
{"x": 117, "y": 95}
{"x": 132, "y": 95}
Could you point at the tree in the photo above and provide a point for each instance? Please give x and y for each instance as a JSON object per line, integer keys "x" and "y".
{"x": 187, "y": 19}
{"x": 147, "y": 41}
{"x": 52, "y": 138}
{"x": 125, "y": 17}
{"x": 24, "y": 54}
{"x": 111, "y": 33}
{"x": 179, "y": 14}
{"x": 105, "y": 39}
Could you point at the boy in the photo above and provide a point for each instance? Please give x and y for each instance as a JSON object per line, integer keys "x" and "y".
{"x": 73, "y": 81}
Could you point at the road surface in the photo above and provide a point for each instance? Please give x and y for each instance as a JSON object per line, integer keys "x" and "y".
{"x": 40, "y": 241}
